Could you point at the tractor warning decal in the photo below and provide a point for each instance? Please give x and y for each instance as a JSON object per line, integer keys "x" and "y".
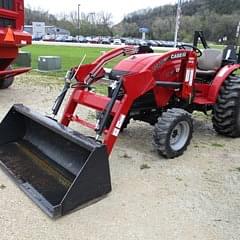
{"x": 189, "y": 76}
{"x": 116, "y": 132}
{"x": 120, "y": 121}
{"x": 118, "y": 125}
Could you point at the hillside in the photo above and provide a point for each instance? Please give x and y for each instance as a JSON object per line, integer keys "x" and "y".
{"x": 217, "y": 18}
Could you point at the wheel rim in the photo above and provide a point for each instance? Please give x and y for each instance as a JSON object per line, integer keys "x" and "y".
{"x": 179, "y": 135}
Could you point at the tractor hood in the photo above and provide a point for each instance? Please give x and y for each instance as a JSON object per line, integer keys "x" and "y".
{"x": 137, "y": 63}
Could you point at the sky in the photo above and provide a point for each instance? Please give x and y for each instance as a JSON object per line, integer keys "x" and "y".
{"x": 117, "y": 8}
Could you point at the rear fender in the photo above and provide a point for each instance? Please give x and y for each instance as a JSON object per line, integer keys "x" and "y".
{"x": 217, "y": 82}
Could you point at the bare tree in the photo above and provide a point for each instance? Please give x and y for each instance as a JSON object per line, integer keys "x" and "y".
{"x": 105, "y": 18}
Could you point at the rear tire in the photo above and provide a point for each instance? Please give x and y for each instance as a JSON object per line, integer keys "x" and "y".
{"x": 173, "y": 133}
{"x": 6, "y": 82}
{"x": 226, "y": 112}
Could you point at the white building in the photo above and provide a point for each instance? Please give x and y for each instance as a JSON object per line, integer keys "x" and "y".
{"x": 39, "y": 29}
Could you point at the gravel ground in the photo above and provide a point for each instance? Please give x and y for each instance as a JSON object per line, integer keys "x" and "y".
{"x": 196, "y": 196}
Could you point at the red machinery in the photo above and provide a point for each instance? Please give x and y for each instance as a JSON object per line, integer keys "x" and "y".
{"x": 61, "y": 169}
{"x": 12, "y": 37}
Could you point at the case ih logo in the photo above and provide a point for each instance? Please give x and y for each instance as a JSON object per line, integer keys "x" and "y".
{"x": 178, "y": 55}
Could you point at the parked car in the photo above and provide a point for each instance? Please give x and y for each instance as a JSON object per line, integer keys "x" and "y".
{"x": 88, "y": 38}
{"x": 169, "y": 44}
{"x": 123, "y": 40}
{"x": 117, "y": 41}
{"x": 151, "y": 43}
{"x": 70, "y": 39}
{"x": 49, "y": 38}
{"x": 81, "y": 39}
{"x": 130, "y": 42}
{"x": 60, "y": 38}
{"x": 95, "y": 40}
{"x": 34, "y": 38}
{"x": 106, "y": 41}
{"x": 142, "y": 43}
{"x": 160, "y": 43}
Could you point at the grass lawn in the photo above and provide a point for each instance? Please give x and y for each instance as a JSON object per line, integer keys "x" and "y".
{"x": 71, "y": 56}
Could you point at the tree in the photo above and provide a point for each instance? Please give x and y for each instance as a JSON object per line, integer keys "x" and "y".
{"x": 91, "y": 24}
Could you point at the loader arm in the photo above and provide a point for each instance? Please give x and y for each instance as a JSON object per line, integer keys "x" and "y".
{"x": 87, "y": 75}
{"x": 119, "y": 109}
{"x": 91, "y": 72}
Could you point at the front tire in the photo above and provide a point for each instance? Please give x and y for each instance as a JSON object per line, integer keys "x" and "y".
{"x": 173, "y": 133}
{"x": 226, "y": 112}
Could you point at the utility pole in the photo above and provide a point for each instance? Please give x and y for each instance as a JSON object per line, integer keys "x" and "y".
{"x": 179, "y": 11}
{"x": 79, "y": 20}
{"x": 237, "y": 34}
{"x": 92, "y": 19}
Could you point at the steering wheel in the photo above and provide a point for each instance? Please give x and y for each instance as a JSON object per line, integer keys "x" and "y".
{"x": 195, "y": 49}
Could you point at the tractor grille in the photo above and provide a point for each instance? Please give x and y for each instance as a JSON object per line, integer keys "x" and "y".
{"x": 6, "y": 22}
{"x": 7, "y": 4}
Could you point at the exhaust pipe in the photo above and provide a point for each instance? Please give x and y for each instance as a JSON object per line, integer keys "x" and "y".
{"x": 58, "y": 168}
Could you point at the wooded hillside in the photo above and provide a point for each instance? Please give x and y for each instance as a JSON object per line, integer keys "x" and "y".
{"x": 217, "y": 18}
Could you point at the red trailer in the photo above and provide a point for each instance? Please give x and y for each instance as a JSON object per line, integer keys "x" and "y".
{"x": 12, "y": 37}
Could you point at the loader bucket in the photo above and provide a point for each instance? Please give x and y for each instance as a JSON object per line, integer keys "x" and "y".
{"x": 58, "y": 168}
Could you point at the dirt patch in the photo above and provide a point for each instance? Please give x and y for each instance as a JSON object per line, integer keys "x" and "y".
{"x": 196, "y": 196}
{"x": 2, "y": 186}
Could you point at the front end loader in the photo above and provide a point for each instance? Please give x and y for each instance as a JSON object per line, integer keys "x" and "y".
{"x": 62, "y": 170}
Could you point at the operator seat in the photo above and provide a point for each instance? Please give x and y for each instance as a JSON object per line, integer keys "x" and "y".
{"x": 209, "y": 62}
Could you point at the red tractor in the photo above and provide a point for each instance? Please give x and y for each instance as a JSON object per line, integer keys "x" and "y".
{"x": 61, "y": 169}
{"x": 12, "y": 37}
